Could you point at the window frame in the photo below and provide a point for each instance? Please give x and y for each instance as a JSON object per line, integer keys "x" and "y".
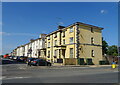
{"x": 71, "y": 40}
{"x": 55, "y": 35}
{"x": 49, "y": 53}
{"x": 63, "y": 41}
{"x": 48, "y": 44}
{"x": 92, "y": 40}
{"x": 55, "y": 52}
{"x": 55, "y": 42}
{"x": 93, "y": 53}
{"x": 71, "y": 53}
{"x": 63, "y": 33}
{"x": 48, "y": 37}
{"x": 71, "y": 29}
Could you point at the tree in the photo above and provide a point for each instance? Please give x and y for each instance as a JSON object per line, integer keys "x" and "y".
{"x": 112, "y": 50}
{"x": 104, "y": 47}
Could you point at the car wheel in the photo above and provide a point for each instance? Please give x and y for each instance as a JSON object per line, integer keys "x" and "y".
{"x": 48, "y": 64}
{"x": 37, "y": 64}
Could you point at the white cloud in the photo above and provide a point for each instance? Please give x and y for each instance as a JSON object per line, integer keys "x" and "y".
{"x": 19, "y": 34}
{"x": 60, "y": 23}
{"x": 103, "y": 11}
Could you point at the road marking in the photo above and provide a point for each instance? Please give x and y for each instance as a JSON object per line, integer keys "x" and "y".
{"x": 15, "y": 77}
{"x": 116, "y": 71}
{"x": 22, "y": 68}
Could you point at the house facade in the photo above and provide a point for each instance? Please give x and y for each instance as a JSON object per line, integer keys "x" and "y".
{"x": 78, "y": 43}
{"x": 35, "y": 48}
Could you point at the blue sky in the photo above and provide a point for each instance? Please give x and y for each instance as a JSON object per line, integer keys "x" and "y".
{"x": 23, "y": 21}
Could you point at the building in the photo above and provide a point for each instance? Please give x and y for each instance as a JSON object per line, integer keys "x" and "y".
{"x": 78, "y": 43}
{"x": 35, "y": 48}
{"x": 20, "y": 51}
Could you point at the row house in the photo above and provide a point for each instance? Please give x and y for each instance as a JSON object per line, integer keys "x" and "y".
{"x": 38, "y": 47}
{"x": 78, "y": 43}
{"x": 19, "y": 51}
{"x": 35, "y": 48}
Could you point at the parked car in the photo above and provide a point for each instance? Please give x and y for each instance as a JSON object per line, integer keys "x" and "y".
{"x": 22, "y": 59}
{"x": 40, "y": 62}
{"x": 6, "y": 61}
{"x": 29, "y": 60}
{"x": 14, "y": 57}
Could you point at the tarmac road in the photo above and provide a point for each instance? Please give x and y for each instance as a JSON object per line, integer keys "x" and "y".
{"x": 20, "y": 73}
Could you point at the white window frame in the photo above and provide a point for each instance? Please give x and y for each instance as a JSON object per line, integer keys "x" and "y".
{"x": 92, "y": 40}
{"x": 71, "y": 53}
{"x": 63, "y": 41}
{"x": 93, "y": 53}
{"x": 48, "y": 37}
{"x": 55, "y": 35}
{"x": 49, "y": 53}
{"x": 71, "y": 40}
{"x": 63, "y": 33}
{"x": 48, "y": 44}
{"x": 55, "y": 53}
{"x": 55, "y": 42}
{"x": 71, "y": 29}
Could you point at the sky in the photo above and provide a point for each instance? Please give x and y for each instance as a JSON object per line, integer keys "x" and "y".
{"x": 22, "y": 21}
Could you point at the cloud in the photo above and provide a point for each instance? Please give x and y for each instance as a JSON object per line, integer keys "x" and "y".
{"x": 60, "y": 23}
{"x": 17, "y": 34}
{"x": 103, "y": 11}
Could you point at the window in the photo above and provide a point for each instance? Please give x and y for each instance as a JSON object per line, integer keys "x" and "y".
{"x": 71, "y": 40}
{"x": 55, "y": 43}
{"x": 93, "y": 53}
{"x": 48, "y": 37}
{"x": 39, "y": 53}
{"x": 48, "y": 44}
{"x": 63, "y": 41}
{"x": 71, "y": 29}
{"x": 91, "y": 29}
{"x": 63, "y": 33}
{"x": 92, "y": 40}
{"x": 71, "y": 52}
{"x": 55, "y": 52}
{"x": 48, "y": 54}
{"x": 55, "y": 35}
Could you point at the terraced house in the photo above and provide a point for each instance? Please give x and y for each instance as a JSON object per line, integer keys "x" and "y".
{"x": 35, "y": 48}
{"x": 78, "y": 43}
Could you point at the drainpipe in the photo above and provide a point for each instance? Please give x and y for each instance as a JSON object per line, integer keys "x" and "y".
{"x": 78, "y": 41}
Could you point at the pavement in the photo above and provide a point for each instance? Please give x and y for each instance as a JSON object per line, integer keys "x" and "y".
{"x": 21, "y": 73}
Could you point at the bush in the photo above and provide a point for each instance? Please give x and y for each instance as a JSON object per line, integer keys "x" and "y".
{"x": 103, "y": 62}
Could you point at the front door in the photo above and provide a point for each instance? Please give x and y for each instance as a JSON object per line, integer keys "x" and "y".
{"x": 63, "y": 53}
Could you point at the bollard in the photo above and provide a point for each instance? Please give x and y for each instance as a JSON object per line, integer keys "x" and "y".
{"x": 113, "y": 66}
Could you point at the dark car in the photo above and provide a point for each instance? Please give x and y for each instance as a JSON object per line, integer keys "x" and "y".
{"x": 40, "y": 62}
{"x": 6, "y": 61}
{"x": 22, "y": 59}
{"x": 29, "y": 60}
{"x": 13, "y": 57}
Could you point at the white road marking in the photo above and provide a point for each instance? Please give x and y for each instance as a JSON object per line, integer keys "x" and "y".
{"x": 116, "y": 71}
{"x": 15, "y": 77}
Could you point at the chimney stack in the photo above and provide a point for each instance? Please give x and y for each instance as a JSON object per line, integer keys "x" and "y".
{"x": 60, "y": 27}
{"x": 42, "y": 35}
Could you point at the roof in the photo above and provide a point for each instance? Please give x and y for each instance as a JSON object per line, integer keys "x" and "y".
{"x": 80, "y": 23}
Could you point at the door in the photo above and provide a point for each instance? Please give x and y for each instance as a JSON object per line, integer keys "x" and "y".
{"x": 63, "y": 53}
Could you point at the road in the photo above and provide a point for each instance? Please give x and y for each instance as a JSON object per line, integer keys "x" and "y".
{"x": 21, "y": 73}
